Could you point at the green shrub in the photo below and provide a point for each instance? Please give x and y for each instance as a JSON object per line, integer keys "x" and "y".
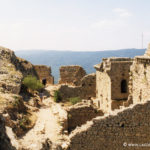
{"x": 24, "y": 122}
{"x": 32, "y": 83}
{"x": 57, "y": 96}
{"x": 75, "y": 100}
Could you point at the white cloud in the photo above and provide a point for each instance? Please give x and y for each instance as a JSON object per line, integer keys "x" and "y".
{"x": 122, "y": 12}
{"x": 110, "y": 25}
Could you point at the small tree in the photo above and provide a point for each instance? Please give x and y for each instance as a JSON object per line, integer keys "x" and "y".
{"x": 57, "y": 96}
{"x": 32, "y": 83}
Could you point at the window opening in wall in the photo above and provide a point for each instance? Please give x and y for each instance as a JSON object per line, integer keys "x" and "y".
{"x": 123, "y": 86}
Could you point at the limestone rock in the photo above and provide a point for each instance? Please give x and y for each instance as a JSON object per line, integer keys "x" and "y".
{"x": 5, "y": 143}
{"x": 10, "y": 78}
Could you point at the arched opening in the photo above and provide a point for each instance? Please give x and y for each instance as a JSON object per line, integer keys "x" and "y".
{"x": 44, "y": 82}
{"x": 123, "y": 86}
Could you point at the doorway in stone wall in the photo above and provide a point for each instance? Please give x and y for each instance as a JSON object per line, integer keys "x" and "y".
{"x": 44, "y": 81}
{"x": 123, "y": 86}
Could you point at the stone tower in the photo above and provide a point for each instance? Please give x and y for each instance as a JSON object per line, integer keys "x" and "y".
{"x": 112, "y": 80}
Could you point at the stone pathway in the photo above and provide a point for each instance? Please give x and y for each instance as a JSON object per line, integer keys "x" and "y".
{"x": 46, "y": 127}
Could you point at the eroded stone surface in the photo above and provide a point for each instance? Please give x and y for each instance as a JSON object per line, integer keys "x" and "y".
{"x": 71, "y": 75}
{"x": 86, "y": 90}
{"x": 128, "y": 126}
{"x": 44, "y": 72}
{"x": 5, "y": 143}
{"x": 81, "y": 113}
{"x": 112, "y": 81}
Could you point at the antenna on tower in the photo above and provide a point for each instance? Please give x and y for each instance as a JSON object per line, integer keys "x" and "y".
{"x": 142, "y": 39}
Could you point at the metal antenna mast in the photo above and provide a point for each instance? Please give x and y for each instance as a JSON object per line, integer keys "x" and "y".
{"x": 142, "y": 39}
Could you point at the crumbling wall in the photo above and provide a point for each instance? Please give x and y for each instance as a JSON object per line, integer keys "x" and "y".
{"x": 86, "y": 90}
{"x": 88, "y": 86}
{"x": 103, "y": 88}
{"x": 140, "y": 79}
{"x": 126, "y": 129}
{"x": 44, "y": 72}
{"x": 71, "y": 75}
{"x": 81, "y": 113}
{"x": 110, "y": 75}
{"x": 119, "y": 72}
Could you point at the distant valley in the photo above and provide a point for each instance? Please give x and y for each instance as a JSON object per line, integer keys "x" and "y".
{"x": 87, "y": 60}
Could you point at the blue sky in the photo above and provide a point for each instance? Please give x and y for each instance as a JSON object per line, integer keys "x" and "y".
{"x": 80, "y": 25}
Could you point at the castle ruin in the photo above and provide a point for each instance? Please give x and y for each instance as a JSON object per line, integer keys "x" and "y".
{"x": 115, "y": 109}
{"x": 112, "y": 80}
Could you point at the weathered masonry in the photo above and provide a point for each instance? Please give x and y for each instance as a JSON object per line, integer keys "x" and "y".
{"x": 140, "y": 78}
{"x": 112, "y": 80}
{"x": 115, "y": 132}
{"x": 44, "y": 74}
{"x": 71, "y": 75}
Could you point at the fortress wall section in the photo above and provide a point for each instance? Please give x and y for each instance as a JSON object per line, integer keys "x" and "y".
{"x": 86, "y": 90}
{"x": 115, "y": 132}
{"x": 140, "y": 79}
{"x": 112, "y": 82}
{"x": 71, "y": 75}
{"x": 103, "y": 89}
{"x": 119, "y": 72}
{"x": 44, "y": 72}
{"x": 81, "y": 113}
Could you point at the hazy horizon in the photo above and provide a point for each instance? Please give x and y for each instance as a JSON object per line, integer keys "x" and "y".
{"x": 23, "y": 50}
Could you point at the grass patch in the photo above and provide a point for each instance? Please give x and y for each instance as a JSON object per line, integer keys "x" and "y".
{"x": 74, "y": 100}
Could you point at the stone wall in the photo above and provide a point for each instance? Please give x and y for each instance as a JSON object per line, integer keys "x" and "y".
{"x": 119, "y": 71}
{"x": 103, "y": 89}
{"x": 86, "y": 90}
{"x": 110, "y": 75}
{"x": 71, "y": 75}
{"x": 44, "y": 72}
{"x": 140, "y": 79}
{"x": 81, "y": 113}
{"x": 116, "y": 131}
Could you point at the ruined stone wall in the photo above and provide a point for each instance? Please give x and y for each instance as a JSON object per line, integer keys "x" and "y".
{"x": 116, "y": 131}
{"x": 119, "y": 72}
{"x": 44, "y": 72}
{"x": 71, "y": 75}
{"x": 88, "y": 86}
{"x": 81, "y": 113}
{"x": 140, "y": 79}
{"x": 103, "y": 88}
{"x": 109, "y": 76}
{"x": 86, "y": 90}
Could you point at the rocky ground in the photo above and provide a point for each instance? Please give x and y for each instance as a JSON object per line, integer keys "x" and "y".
{"x": 47, "y": 131}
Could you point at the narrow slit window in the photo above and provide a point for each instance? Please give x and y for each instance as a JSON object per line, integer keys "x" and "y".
{"x": 123, "y": 86}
